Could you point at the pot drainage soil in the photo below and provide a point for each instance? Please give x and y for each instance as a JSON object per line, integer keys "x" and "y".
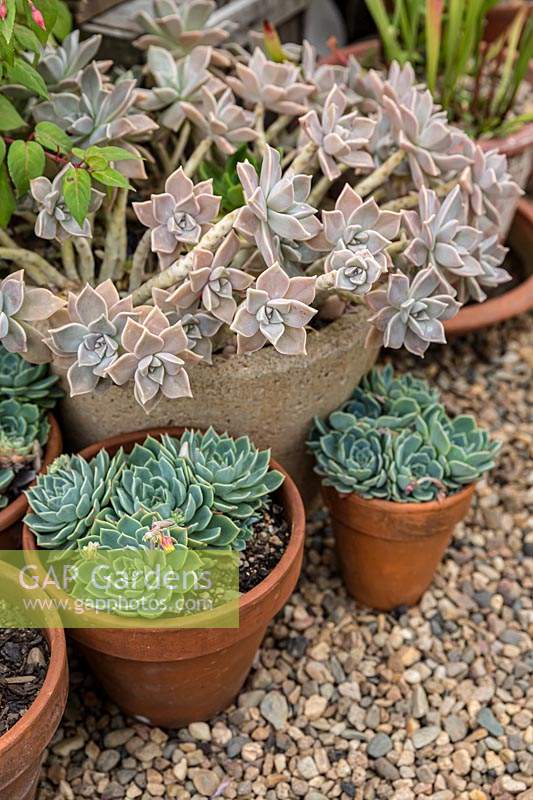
{"x": 265, "y": 548}
{"x": 24, "y": 658}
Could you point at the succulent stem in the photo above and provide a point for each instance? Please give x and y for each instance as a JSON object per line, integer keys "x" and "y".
{"x": 69, "y": 261}
{"x": 277, "y": 127}
{"x": 322, "y": 186}
{"x": 303, "y": 162}
{"x": 181, "y": 143}
{"x": 85, "y": 259}
{"x": 380, "y": 175}
{"x": 411, "y": 200}
{"x": 201, "y": 150}
{"x": 140, "y": 257}
{"x": 40, "y": 271}
{"x": 114, "y": 255}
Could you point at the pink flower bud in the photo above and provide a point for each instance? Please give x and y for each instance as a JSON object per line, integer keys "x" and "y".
{"x": 37, "y": 17}
{"x": 3, "y": 11}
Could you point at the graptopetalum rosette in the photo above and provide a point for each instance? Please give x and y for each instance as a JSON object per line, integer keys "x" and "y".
{"x": 411, "y": 229}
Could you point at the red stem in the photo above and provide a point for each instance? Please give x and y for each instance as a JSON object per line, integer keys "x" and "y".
{"x": 52, "y": 156}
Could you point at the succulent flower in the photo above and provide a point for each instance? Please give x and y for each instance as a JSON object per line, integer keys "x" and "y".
{"x": 425, "y": 136}
{"x": 339, "y": 137}
{"x": 179, "y": 26}
{"x": 276, "y": 311}
{"x": 88, "y": 341}
{"x": 180, "y": 216}
{"x": 357, "y": 226}
{"x": 440, "y": 238}
{"x": 410, "y": 313}
{"x": 155, "y": 358}
{"x": 27, "y": 383}
{"x": 238, "y": 472}
{"x": 175, "y": 83}
{"x": 61, "y": 66}
{"x": 19, "y": 306}
{"x": 353, "y": 460}
{"x": 213, "y": 282}
{"x": 66, "y": 500}
{"x": 54, "y": 220}
{"x": 415, "y": 471}
{"x": 277, "y": 87}
{"x": 220, "y": 119}
{"x": 200, "y": 327}
{"x": 487, "y": 183}
{"x": 275, "y": 205}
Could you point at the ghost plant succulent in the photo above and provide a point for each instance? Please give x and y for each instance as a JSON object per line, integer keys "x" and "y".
{"x": 242, "y": 150}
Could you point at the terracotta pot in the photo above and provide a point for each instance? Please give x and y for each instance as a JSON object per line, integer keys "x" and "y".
{"x": 518, "y": 147}
{"x": 270, "y": 397}
{"x": 172, "y": 677}
{"x": 388, "y": 552}
{"x": 23, "y": 746}
{"x": 514, "y": 302}
{"x": 11, "y": 516}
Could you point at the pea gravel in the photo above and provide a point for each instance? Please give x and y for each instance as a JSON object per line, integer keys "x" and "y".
{"x": 428, "y": 702}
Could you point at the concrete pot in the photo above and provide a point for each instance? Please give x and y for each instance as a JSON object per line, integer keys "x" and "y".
{"x": 388, "y": 552}
{"x": 172, "y": 677}
{"x": 270, "y": 397}
{"x": 23, "y": 746}
{"x": 11, "y": 516}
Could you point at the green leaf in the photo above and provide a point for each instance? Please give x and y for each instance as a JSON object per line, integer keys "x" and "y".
{"x": 25, "y": 161}
{"x": 433, "y": 41}
{"x": 113, "y": 153}
{"x": 26, "y": 39}
{"x": 63, "y": 25}
{"x": 24, "y": 74}
{"x": 52, "y": 137}
{"x": 8, "y": 23}
{"x": 10, "y": 118}
{"x": 111, "y": 177}
{"x": 3, "y": 149}
{"x": 7, "y": 198}
{"x": 77, "y": 193}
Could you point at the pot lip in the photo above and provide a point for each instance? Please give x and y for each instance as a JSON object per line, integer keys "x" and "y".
{"x": 55, "y": 675}
{"x": 292, "y": 503}
{"x": 54, "y": 446}
{"x": 412, "y": 509}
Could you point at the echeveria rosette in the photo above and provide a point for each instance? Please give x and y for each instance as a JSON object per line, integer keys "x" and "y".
{"x": 325, "y": 77}
{"x": 465, "y": 451}
{"x": 416, "y": 475}
{"x": 88, "y": 341}
{"x": 275, "y": 86}
{"x": 340, "y": 138}
{"x": 6, "y": 479}
{"x": 487, "y": 183}
{"x": 20, "y": 305}
{"x": 178, "y": 217}
{"x": 238, "y": 472}
{"x": 23, "y": 432}
{"x": 385, "y": 387}
{"x": 27, "y": 383}
{"x": 491, "y": 255}
{"x": 213, "y": 282}
{"x": 61, "y": 65}
{"x": 220, "y": 119}
{"x": 199, "y": 326}
{"x": 276, "y": 310}
{"x": 66, "y": 500}
{"x": 179, "y": 26}
{"x": 276, "y": 206}
{"x": 354, "y": 272}
{"x": 411, "y": 313}
{"x": 54, "y": 220}
{"x": 154, "y": 358}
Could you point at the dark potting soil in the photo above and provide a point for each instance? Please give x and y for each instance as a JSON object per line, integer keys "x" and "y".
{"x": 24, "y": 659}
{"x": 265, "y": 548}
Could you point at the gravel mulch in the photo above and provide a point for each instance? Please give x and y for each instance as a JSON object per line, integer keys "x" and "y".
{"x": 429, "y": 702}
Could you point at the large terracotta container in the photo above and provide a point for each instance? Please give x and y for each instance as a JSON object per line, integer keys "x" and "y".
{"x": 23, "y": 746}
{"x": 388, "y": 552}
{"x": 172, "y": 677}
{"x": 11, "y": 516}
{"x": 270, "y": 397}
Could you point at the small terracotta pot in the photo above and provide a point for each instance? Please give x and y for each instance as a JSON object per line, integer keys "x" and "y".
{"x": 388, "y": 552}
{"x": 172, "y": 677}
{"x": 23, "y": 746}
{"x": 11, "y": 516}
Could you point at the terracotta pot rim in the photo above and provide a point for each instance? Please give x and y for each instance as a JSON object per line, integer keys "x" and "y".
{"x": 13, "y": 512}
{"x": 395, "y": 507}
{"x": 292, "y": 500}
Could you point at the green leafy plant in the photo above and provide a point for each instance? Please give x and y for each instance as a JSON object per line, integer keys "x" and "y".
{"x": 226, "y": 182}
{"x": 393, "y": 440}
{"x": 27, "y": 383}
{"x": 23, "y": 434}
{"x": 475, "y": 81}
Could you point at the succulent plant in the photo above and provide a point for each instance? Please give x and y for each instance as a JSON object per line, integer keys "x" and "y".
{"x": 487, "y": 183}
{"x": 466, "y": 451}
{"x": 179, "y": 26}
{"x": 276, "y": 86}
{"x": 276, "y": 310}
{"x": 226, "y": 183}
{"x": 490, "y": 254}
{"x": 27, "y": 383}
{"x": 416, "y": 474}
{"x": 386, "y": 387}
{"x": 6, "y": 478}
{"x": 340, "y": 138}
{"x": 354, "y": 272}
{"x": 23, "y": 432}
{"x": 66, "y": 500}
{"x": 220, "y": 119}
{"x": 410, "y": 313}
{"x": 154, "y": 357}
{"x": 175, "y": 83}
{"x": 54, "y": 220}
{"x": 324, "y": 77}
{"x": 275, "y": 206}
{"x": 61, "y": 66}
{"x": 213, "y": 282}
{"x": 199, "y": 326}
{"x": 88, "y": 341}
{"x": 237, "y": 471}
{"x": 21, "y": 305}
{"x": 178, "y": 217}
